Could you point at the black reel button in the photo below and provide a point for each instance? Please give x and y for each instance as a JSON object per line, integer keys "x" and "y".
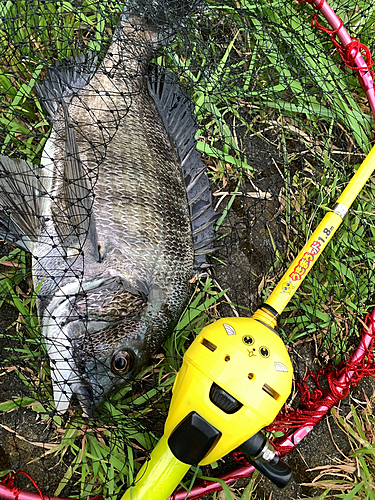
{"x": 192, "y": 439}
{"x": 223, "y": 400}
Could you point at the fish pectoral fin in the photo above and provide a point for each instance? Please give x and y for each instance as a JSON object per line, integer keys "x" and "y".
{"x": 177, "y": 112}
{"x": 22, "y": 188}
{"x": 73, "y": 213}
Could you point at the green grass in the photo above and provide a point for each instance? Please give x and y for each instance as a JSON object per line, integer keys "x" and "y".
{"x": 353, "y": 477}
{"x": 282, "y": 53}
{"x": 339, "y": 289}
{"x": 250, "y": 67}
{"x": 34, "y": 35}
{"x": 293, "y": 79}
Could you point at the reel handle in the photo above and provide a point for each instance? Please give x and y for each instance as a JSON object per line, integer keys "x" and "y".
{"x": 260, "y": 453}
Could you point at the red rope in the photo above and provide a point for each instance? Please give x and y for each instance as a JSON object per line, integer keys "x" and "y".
{"x": 346, "y": 53}
{"x": 332, "y": 32}
{"x": 313, "y": 399}
{"x": 358, "y": 47}
{"x": 9, "y": 483}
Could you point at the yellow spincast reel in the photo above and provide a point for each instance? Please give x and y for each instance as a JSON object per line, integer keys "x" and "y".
{"x": 234, "y": 379}
{"x": 236, "y": 375}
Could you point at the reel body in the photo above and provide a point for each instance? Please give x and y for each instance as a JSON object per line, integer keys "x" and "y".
{"x": 236, "y": 376}
{"x": 234, "y": 379}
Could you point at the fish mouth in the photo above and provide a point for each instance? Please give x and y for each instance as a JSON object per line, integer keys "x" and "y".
{"x": 65, "y": 375}
{"x": 90, "y": 386}
{"x": 63, "y": 392}
{"x": 66, "y": 381}
{"x": 77, "y": 372}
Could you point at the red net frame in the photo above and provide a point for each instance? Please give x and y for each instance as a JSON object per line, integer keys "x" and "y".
{"x": 354, "y": 54}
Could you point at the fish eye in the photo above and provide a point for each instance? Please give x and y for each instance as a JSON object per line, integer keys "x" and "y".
{"x": 264, "y": 352}
{"x": 122, "y": 362}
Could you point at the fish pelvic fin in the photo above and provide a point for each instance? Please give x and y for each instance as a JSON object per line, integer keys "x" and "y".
{"x": 177, "y": 113}
{"x": 23, "y": 186}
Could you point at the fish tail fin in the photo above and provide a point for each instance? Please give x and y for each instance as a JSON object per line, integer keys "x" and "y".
{"x": 161, "y": 15}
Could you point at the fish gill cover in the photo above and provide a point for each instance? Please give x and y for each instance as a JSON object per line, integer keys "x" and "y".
{"x": 161, "y": 164}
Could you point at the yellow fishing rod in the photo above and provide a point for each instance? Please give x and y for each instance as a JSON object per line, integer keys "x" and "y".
{"x": 235, "y": 377}
{"x": 292, "y": 279}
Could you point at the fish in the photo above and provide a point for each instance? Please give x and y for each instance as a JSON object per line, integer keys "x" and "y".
{"x": 118, "y": 214}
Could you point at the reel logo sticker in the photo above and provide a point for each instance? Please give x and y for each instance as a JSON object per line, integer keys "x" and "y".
{"x": 305, "y": 262}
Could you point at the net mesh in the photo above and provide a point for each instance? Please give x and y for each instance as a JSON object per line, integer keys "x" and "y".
{"x": 281, "y": 126}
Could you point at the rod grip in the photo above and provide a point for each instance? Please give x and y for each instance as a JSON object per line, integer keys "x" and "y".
{"x": 158, "y": 478}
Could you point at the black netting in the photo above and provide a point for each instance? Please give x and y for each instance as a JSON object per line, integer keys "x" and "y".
{"x": 104, "y": 254}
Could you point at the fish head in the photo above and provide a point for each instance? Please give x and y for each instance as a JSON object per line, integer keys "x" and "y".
{"x": 96, "y": 342}
{"x": 92, "y": 359}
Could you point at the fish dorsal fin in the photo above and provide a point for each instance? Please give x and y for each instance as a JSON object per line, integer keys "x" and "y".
{"x": 22, "y": 189}
{"x": 73, "y": 211}
{"x": 64, "y": 79}
{"x": 177, "y": 112}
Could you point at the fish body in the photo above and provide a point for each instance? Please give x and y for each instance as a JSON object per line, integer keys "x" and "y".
{"x": 115, "y": 213}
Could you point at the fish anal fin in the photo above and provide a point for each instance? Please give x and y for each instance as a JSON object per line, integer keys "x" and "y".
{"x": 72, "y": 211}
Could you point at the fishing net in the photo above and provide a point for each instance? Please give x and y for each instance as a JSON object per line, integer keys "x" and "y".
{"x": 282, "y": 123}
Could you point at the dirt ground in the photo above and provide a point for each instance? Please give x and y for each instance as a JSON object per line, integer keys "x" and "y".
{"x": 247, "y": 252}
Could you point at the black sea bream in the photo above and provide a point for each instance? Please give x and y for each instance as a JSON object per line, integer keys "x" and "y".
{"x": 116, "y": 212}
